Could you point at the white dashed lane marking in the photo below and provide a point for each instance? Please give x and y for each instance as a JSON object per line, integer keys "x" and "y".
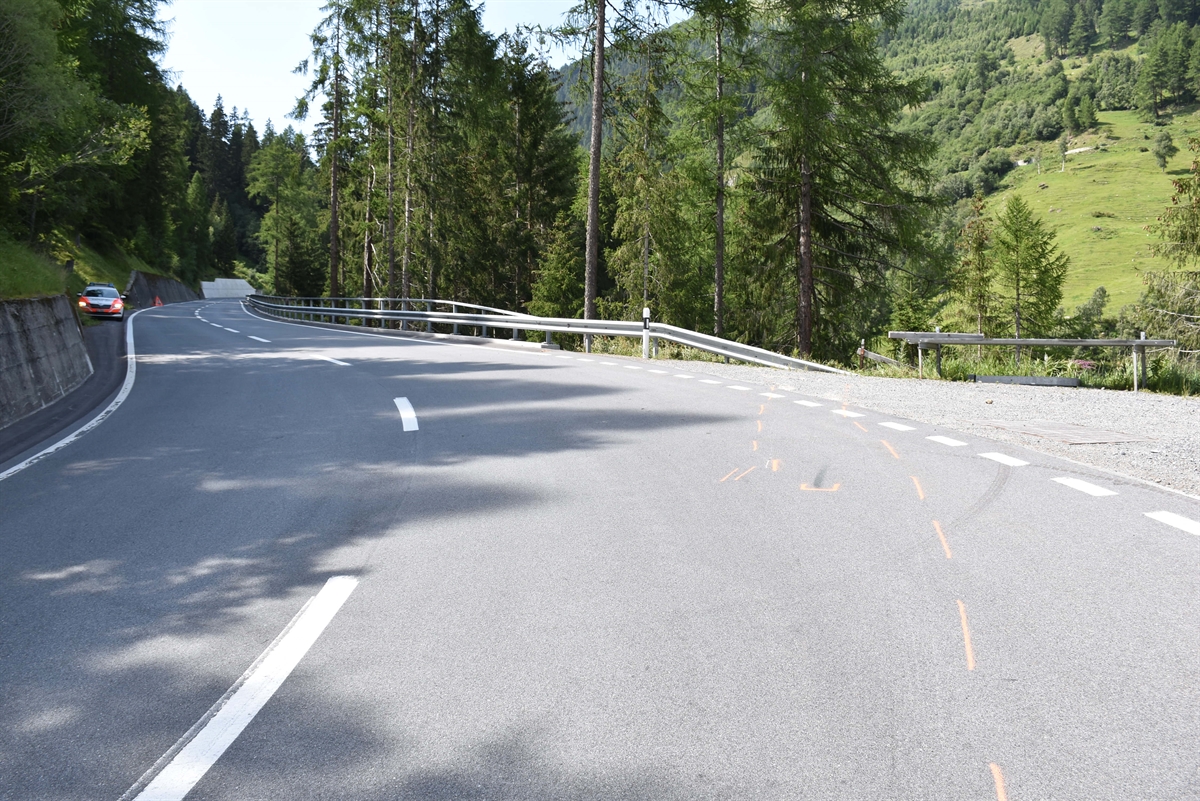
{"x": 1004, "y": 458}
{"x": 953, "y": 443}
{"x": 809, "y": 404}
{"x": 739, "y": 389}
{"x": 846, "y": 413}
{"x": 260, "y": 339}
{"x": 1084, "y": 486}
{"x": 1178, "y": 521}
{"x": 408, "y": 417}
{"x": 708, "y": 381}
{"x": 897, "y": 426}
{"x": 233, "y": 331}
{"x": 681, "y": 375}
{"x": 770, "y": 395}
{"x": 333, "y": 360}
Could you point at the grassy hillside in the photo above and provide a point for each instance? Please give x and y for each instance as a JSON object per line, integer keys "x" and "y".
{"x": 25, "y": 273}
{"x": 1102, "y": 202}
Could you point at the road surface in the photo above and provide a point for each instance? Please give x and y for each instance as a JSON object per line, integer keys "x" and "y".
{"x": 298, "y": 563}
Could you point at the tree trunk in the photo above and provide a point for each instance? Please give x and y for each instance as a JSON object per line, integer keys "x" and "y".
{"x": 719, "y": 254}
{"x": 406, "y": 259}
{"x": 334, "y": 265}
{"x": 368, "y": 250}
{"x": 804, "y": 263}
{"x": 592, "y": 259}
{"x": 391, "y": 164}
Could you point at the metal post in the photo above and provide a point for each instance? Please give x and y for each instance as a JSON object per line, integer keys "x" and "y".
{"x": 1134, "y": 351}
{"x": 485, "y": 332}
{"x": 646, "y": 333}
{"x": 428, "y": 323}
{"x": 1142, "y": 349}
{"x": 654, "y": 347}
{"x": 587, "y": 343}
{"x": 454, "y": 310}
{"x": 548, "y": 340}
{"x": 938, "y": 349}
{"x": 516, "y": 334}
{"x": 920, "y": 360}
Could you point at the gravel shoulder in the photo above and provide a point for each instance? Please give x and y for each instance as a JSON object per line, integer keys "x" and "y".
{"x": 1169, "y": 425}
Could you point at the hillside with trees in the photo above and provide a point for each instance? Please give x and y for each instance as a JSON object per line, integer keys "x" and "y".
{"x": 796, "y": 175}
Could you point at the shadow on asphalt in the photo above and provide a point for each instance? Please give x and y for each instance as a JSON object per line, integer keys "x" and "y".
{"x": 127, "y": 573}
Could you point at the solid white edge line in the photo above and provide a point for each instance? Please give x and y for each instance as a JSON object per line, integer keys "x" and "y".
{"x": 1178, "y": 521}
{"x": 1084, "y": 486}
{"x": 130, "y": 376}
{"x": 1004, "y": 458}
{"x": 230, "y": 716}
{"x": 408, "y": 415}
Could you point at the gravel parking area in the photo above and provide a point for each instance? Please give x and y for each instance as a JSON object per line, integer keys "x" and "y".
{"x": 1169, "y": 426}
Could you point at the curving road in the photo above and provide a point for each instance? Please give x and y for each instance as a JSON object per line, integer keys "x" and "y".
{"x": 577, "y": 578}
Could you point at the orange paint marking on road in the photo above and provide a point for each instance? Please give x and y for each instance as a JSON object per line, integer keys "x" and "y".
{"x": 731, "y": 472}
{"x": 917, "y": 484}
{"x": 753, "y": 444}
{"x": 945, "y": 545}
{"x": 743, "y": 475}
{"x": 807, "y": 488}
{"x": 962, "y": 616}
{"x": 762, "y": 407}
{"x": 860, "y": 425}
{"x": 775, "y": 465}
{"x": 759, "y": 425}
{"x": 998, "y": 778}
{"x": 890, "y": 448}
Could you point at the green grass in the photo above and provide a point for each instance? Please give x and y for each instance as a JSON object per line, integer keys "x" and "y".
{"x": 1117, "y": 190}
{"x": 25, "y": 274}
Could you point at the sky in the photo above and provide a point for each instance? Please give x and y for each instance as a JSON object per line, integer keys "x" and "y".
{"x": 245, "y": 50}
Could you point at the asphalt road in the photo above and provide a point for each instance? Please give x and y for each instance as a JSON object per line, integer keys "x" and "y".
{"x": 578, "y": 578}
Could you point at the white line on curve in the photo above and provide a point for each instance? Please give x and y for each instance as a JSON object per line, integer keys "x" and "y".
{"x": 216, "y": 325}
{"x": 846, "y": 413}
{"x": 333, "y": 360}
{"x": 130, "y": 375}
{"x": 610, "y": 364}
{"x": 953, "y": 443}
{"x": 897, "y": 426}
{"x": 225, "y": 721}
{"x": 708, "y": 381}
{"x": 681, "y": 375}
{"x": 1004, "y": 458}
{"x": 232, "y": 331}
{"x": 739, "y": 389}
{"x": 564, "y": 357}
{"x": 1178, "y": 521}
{"x": 586, "y": 360}
{"x": 659, "y": 372}
{"x": 632, "y": 367}
{"x": 809, "y": 404}
{"x": 408, "y": 416}
{"x": 260, "y": 339}
{"x": 1083, "y": 486}
{"x": 770, "y": 395}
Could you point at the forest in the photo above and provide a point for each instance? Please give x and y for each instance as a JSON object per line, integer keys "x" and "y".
{"x": 796, "y": 175}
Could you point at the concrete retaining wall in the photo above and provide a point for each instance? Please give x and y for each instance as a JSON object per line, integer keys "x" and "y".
{"x": 42, "y": 355}
{"x": 145, "y": 287}
{"x": 226, "y": 288}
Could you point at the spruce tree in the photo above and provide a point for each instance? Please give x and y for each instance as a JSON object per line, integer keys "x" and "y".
{"x": 1030, "y": 268}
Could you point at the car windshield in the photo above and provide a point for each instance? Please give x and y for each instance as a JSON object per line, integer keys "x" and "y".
{"x": 101, "y": 292}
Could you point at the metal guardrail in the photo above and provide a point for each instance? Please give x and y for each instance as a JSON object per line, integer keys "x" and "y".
{"x": 385, "y": 309}
{"x": 926, "y": 340}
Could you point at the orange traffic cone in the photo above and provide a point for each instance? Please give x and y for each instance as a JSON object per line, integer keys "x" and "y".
{"x": 157, "y": 300}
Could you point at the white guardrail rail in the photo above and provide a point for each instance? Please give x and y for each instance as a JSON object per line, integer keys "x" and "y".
{"x": 485, "y": 318}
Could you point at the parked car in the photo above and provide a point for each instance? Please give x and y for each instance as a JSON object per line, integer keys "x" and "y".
{"x": 102, "y": 300}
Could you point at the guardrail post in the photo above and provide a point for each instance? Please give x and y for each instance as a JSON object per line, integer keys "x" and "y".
{"x": 1142, "y": 354}
{"x": 645, "y": 333}
{"x": 654, "y": 347}
{"x": 454, "y": 310}
{"x": 484, "y": 335}
{"x": 516, "y": 333}
{"x": 549, "y": 341}
{"x": 428, "y": 323}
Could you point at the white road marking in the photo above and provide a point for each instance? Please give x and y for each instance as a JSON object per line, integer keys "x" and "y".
{"x": 230, "y": 715}
{"x": 659, "y": 372}
{"x": 846, "y": 413}
{"x": 1083, "y": 486}
{"x": 1004, "y": 458}
{"x": 809, "y": 404}
{"x": 1178, "y": 521}
{"x": 681, "y": 375}
{"x": 333, "y": 360}
{"x": 953, "y": 443}
{"x": 632, "y": 367}
{"x": 408, "y": 417}
{"x": 130, "y": 375}
{"x": 233, "y": 331}
{"x": 708, "y": 381}
{"x": 739, "y": 389}
{"x": 216, "y": 325}
{"x": 586, "y": 360}
{"x": 610, "y": 364}
{"x": 564, "y": 357}
{"x": 897, "y": 426}
{"x": 770, "y": 395}
{"x": 260, "y": 339}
